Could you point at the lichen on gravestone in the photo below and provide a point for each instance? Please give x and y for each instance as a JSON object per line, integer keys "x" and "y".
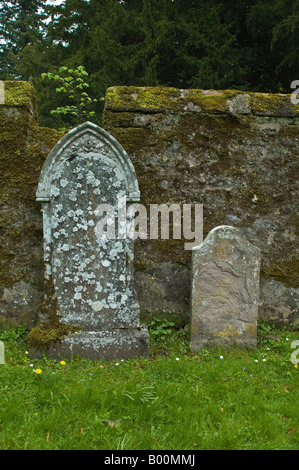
{"x": 92, "y": 303}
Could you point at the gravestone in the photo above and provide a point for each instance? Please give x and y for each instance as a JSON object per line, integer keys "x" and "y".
{"x": 86, "y": 178}
{"x": 2, "y": 353}
{"x": 224, "y": 290}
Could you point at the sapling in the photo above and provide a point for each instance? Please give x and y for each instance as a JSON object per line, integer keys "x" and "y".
{"x": 73, "y": 82}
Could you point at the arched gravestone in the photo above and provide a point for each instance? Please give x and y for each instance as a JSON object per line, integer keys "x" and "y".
{"x": 92, "y": 273}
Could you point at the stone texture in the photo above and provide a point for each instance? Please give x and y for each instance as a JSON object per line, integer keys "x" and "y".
{"x": 224, "y": 290}
{"x": 23, "y": 149}
{"x": 279, "y": 304}
{"x": 19, "y": 304}
{"x": 234, "y": 152}
{"x": 93, "y": 276}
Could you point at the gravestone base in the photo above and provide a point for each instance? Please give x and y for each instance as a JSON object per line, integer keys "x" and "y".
{"x": 243, "y": 336}
{"x": 120, "y": 343}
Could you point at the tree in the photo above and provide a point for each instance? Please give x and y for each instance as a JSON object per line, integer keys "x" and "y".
{"x": 73, "y": 83}
{"x": 243, "y": 44}
{"x": 21, "y": 24}
{"x": 207, "y": 51}
{"x": 285, "y": 45}
{"x": 261, "y": 20}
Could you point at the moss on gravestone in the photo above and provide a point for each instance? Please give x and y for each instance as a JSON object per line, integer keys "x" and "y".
{"x": 51, "y": 330}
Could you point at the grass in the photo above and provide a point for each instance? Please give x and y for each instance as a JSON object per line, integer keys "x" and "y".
{"x": 176, "y": 400}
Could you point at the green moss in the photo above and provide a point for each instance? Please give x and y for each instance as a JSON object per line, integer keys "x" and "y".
{"x": 52, "y": 330}
{"x": 146, "y": 99}
{"x": 197, "y": 130}
{"x": 142, "y": 264}
{"x": 271, "y": 104}
{"x": 213, "y": 101}
{"x": 42, "y": 337}
{"x": 283, "y": 270}
{"x": 24, "y": 148}
{"x": 19, "y": 94}
{"x": 163, "y": 99}
{"x": 111, "y": 120}
{"x": 133, "y": 140}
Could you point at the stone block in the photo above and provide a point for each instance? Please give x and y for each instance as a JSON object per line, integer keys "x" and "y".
{"x": 108, "y": 345}
{"x": 224, "y": 290}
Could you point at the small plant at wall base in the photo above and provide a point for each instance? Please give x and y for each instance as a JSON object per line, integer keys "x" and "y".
{"x": 73, "y": 83}
{"x": 166, "y": 336}
{"x": 160, "y": 330}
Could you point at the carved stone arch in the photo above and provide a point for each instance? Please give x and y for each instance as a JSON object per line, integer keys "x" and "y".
{"x": 87, "y": 137}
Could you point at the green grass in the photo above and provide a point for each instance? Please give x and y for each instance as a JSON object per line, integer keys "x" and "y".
{"x": 175, "y": 400}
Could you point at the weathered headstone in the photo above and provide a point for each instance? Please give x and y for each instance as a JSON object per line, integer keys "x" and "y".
{"x": 86, "y": 175}
{"x": 2, "y": 353}
{"x": 224, "y": 290}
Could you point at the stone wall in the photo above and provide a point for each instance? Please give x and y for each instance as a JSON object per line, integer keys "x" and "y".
{"x": 234, "y": 152}
{"x": 23, "y": 149}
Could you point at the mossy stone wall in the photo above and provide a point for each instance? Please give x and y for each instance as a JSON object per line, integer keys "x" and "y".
{"x": 234, "y": 152}
{"x": 23, "y": 149}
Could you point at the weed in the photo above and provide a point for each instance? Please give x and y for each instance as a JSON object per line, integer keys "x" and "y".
{"x": 166, "y": 336}
{"x": 160, "y": 330}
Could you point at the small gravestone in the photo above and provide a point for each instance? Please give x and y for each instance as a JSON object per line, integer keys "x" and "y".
{"x": 224, "y": 290}
{"x": 2, "y": 353}
{"x": 86, "y": 182}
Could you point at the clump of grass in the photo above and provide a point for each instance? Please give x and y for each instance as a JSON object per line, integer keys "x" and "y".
{"x": 216, "y": 399}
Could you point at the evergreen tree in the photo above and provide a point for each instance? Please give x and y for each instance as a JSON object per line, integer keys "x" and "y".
{"x": 261, "y": 20}
{"x": 243, "y": 44}
{"x": 285, "y": 47}
{"x": 207, "y": 47}
{"x": 21, "y": 24}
